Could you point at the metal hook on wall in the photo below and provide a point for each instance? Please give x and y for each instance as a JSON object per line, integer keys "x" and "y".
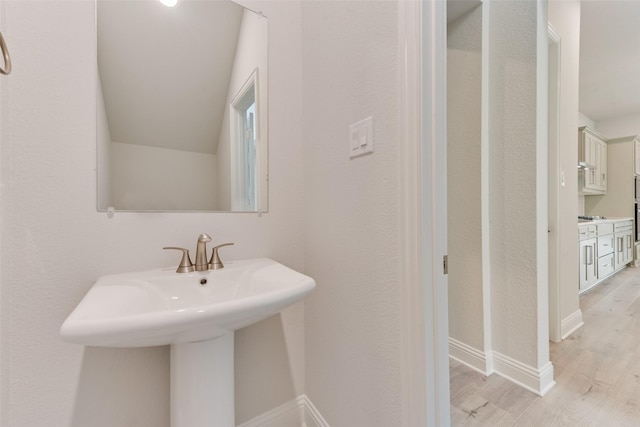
{"x": 5, "y": 55}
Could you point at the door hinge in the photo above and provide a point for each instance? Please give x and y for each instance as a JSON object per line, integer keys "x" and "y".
{"x": 445, "y": 264}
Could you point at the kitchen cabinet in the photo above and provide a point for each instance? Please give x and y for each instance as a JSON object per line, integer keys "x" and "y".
{"x": 592, "y": 150}
{"x": 624, "y": 244}
{"x": 588, "y": 264}
{"x": 605, "y": 247}
{"x": 606, "y": 250}
{"x": 623, "y": 154}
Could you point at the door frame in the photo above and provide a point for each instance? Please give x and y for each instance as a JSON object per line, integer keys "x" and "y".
{"x": 422, "y": 113}
{"x": 555, "y": 181}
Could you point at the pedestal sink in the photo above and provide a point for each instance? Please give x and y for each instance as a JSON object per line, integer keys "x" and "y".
{"x": 196, "y": 314}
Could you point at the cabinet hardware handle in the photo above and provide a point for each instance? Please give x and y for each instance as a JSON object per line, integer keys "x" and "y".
{"x": 5, "y": 55}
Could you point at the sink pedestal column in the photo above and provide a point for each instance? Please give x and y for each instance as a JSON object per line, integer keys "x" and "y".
{"x": 202, "y": 383}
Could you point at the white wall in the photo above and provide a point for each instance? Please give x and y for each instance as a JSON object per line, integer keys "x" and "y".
{"x": 352, "y": 319}
{"x": 464, "y": 120}
{"x": 153, "y": 178}
{"x": 565, "y": 18}
{"x": 512, "y": 180}
{"x": 500, "y": 325}
{"x": 55, "y": 244}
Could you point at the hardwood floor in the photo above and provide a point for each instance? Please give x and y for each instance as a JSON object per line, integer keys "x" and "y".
{"x": 597, "y": 371}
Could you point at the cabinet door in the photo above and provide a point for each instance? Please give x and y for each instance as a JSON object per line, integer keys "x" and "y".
{"x": 628, "y": 247}
{"x": 602, "y": 165}
{"x": 592, "y": 149}
{"x": 620, "y": 251}
{"x": 623, "y": 249}
{"x": 591, "y": 154}
{"x": 637, "y": 156}
{"x": 588, "y": 263}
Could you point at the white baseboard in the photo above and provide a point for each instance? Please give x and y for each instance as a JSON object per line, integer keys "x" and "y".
{"x": 470, "y": 356}
{"x": 312, "y": 415}
{"x": 299, "y": 412}
{"x": 539, "y": 381}
{"x": 571, "y": 323}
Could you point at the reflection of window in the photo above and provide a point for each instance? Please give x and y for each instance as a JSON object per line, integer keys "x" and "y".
{"x": 243, "y": 147}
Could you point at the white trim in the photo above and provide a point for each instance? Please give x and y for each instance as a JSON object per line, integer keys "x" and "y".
{"x": 237, "y": 151}
{"x": 471, "y": 357}
{"x": 432, "y": 173}
{"x": 312, "y": 415}
{"x": 422, "y": 115}
{"x": 571, "y": 323}
{"x": 485, "y": 188}
{"x": 298, "y": 412}
{"x": 542, "y": 183}
{"x": 539, "y": 381}
{"x": 414, "y": 349}
{"x": 555, "y": 49}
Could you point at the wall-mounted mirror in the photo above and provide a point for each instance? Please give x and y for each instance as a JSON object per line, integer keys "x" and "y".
{"x": 182, "y": 106}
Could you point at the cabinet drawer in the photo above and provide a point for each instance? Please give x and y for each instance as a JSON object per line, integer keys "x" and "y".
{"x": 586, "y": 232}
{"x": 606, "y": 245}
{"x": 605, "y": 266}
{"x": 604, "y": 229}
{"x": 623, "y": 226}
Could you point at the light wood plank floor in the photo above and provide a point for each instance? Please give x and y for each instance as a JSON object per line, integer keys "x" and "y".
{"x": 597, "y": 371}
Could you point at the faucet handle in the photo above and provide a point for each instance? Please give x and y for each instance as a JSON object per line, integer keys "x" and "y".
{"x": 186, "y": 266}
{"x": 215, "y": 263}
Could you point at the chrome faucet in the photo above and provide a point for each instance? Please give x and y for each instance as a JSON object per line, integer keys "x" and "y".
{"x": 202, "y": 264}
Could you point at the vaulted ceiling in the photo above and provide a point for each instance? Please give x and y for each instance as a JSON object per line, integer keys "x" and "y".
{"x": 165, "y": 72}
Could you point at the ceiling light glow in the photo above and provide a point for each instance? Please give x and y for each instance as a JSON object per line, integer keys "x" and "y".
{"x": 169, "y": 3}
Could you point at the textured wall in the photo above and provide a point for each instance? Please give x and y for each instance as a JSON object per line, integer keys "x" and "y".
{"x": 152, "y": 178}
{"x": 55, "y": 244}
{"x": 565, "y": 17}
{"x": 464, "y": 87}
{"x": 352, "y": 320}
{"x": 512, "y": 179}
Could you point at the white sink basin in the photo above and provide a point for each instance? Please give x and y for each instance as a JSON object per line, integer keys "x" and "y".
{"x": 160, "y": 307}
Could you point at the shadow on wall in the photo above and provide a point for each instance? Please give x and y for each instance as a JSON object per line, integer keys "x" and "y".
{"x": 124, "y": 387}
{"x": 263, "y": 357}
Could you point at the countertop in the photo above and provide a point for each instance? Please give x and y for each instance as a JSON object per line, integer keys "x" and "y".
{"x": 582, "y": 222}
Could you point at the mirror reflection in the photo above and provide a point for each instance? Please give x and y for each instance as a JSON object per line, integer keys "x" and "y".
{"x": 182, "y": 106}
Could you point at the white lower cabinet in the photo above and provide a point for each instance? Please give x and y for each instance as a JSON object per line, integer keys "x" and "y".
{"x": 588, "y": 264}
{"x": 624, "y": 243}
{"x": 588, "y": 260}
{"x": 604, "y": 249}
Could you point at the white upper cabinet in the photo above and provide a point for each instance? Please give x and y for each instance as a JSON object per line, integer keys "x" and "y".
{"x": 592, "y": 150}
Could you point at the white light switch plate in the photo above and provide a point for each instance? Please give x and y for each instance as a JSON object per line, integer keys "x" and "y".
{"x": 361, "y": 138}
